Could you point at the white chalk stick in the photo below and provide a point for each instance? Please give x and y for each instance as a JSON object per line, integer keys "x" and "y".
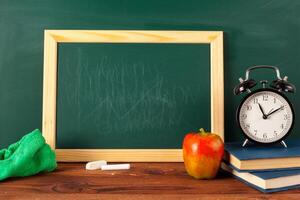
{"x": 95, "y": 165}
{"x": 115, "y": 167}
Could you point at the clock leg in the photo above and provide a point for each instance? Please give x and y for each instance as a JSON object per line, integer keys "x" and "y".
{"x": 283, "y": 143}
{"x": 245, "y": 142}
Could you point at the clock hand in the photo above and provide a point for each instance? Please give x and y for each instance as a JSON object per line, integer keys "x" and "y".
{"x": 270, "y": 111}
{"x": 274, "y": 111}
{"x": 262, "y": 110}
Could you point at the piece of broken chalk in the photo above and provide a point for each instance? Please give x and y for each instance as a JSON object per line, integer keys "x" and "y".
{"x": 95, "y": 165}
{"x": 115, "y": 167}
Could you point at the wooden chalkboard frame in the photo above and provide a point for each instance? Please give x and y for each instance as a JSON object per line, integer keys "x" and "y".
{"x": 53, "y": 37}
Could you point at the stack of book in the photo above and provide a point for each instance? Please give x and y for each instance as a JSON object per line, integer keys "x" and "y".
{"x": 266, "y": 168}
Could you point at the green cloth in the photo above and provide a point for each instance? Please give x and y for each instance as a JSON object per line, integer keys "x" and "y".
{"x": 27, "y": 157}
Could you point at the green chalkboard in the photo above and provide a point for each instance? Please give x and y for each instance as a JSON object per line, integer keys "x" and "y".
{"x": 131, "y": 95}
{"x": 255, "y": 32}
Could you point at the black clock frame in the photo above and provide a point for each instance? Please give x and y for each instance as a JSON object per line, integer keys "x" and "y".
{"x": 265, "y": 90}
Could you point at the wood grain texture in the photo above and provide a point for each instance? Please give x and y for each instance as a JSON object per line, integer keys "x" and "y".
{"x": 53, "y": 37}
{"x": 133, "y": 36}
{"x": 142, "y": 181}
{"x": 49, "y": 89}
{"x": 117, "y": 155}
{"x": 217, "y": 85}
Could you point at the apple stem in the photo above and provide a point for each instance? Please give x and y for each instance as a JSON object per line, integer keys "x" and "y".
{"x": 202, "y": 131}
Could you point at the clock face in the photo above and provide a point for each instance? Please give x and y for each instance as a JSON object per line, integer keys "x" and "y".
{"x": 265, "y": 116}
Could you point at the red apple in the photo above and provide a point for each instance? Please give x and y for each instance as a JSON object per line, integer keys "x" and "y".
{"x": 202, "y": 154}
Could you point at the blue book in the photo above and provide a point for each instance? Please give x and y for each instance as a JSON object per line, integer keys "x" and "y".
{"x": 269, "y": 181}
{"x": 258, "y": 157}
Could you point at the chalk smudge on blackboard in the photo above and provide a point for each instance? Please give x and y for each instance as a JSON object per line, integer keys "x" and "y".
{"x": 124, "y": 97}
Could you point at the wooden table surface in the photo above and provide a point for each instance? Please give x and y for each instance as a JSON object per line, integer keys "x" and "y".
{"x": 142, "y": 181}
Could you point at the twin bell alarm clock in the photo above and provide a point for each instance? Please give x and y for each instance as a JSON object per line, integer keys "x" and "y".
{"x": 265, "y": 115}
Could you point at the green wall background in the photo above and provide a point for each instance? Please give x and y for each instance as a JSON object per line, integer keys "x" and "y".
{"x": 256, "y": 32}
